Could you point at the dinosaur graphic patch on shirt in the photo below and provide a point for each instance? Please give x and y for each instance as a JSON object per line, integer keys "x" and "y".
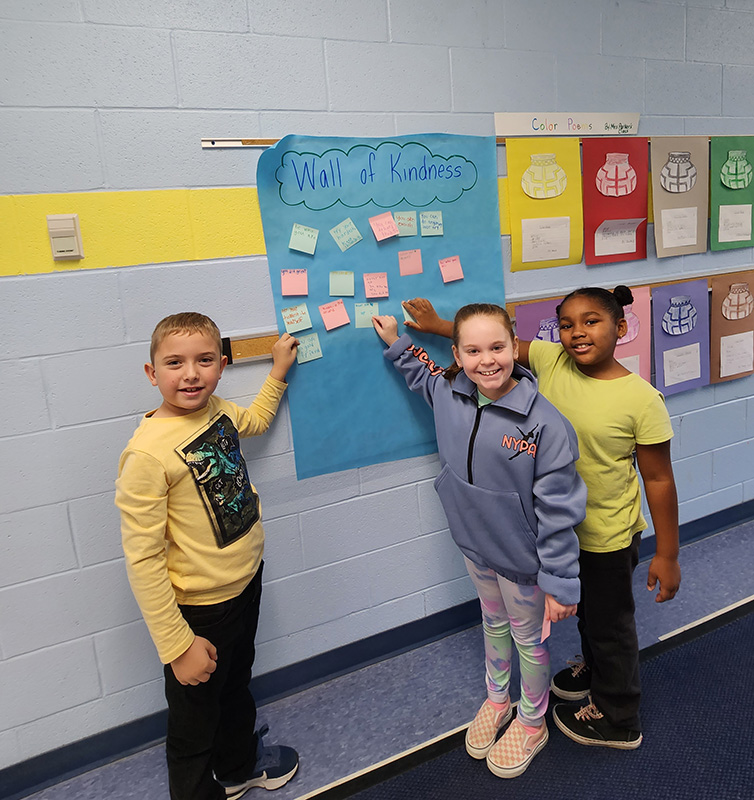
{"x": 219, "y": 470}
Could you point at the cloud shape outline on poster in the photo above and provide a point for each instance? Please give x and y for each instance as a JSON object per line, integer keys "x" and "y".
{"x": 385, "y": 175}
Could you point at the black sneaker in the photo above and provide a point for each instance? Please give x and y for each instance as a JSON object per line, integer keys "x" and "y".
{"x": 587, "y": 725}
{"x": 573, "y": 682}
{"x": 275, "y": 766}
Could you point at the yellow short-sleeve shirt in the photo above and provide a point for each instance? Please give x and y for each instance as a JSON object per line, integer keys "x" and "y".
{"x": 610, "y": 418}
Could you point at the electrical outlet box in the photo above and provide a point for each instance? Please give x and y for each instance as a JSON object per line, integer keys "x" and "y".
{"x": 65, "y": 236}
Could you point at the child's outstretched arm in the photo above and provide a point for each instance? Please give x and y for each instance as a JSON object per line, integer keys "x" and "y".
{"x": 387, "y": 328}
{"x": 283, "y": 355}
{"x": 429, "y": 321}
{"x": 657, "y": 472}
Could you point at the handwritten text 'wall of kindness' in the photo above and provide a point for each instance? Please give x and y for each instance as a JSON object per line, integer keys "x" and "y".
{"x": 385, "y": 175}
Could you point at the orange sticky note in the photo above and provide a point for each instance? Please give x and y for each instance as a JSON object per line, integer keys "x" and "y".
{"x": 334, "y": 314}
{"x": 375, "y": 284}
{"x": 294, "y": 281}
{"x": 451, "y": 269}
{"x": 383, "y": 226}
{"x": 410, "y": 262}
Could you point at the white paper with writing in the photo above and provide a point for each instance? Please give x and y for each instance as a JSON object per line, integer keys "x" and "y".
{"x": 735, "y": 223}
{"x": 682, "y": 364}
{"x": 615, "y": 236}
{"x": 736, "y": 353}
{"x": 679, "y": 227}
{"x": 545, "y": 238}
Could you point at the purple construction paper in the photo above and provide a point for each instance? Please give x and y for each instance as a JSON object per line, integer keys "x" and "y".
{"x": 662, "y": 299}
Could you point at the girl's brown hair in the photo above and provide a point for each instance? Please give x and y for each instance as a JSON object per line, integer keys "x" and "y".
{"x": 475, "y": 310}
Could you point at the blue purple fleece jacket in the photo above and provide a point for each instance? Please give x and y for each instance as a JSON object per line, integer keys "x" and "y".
{"x": 508, "y": 481}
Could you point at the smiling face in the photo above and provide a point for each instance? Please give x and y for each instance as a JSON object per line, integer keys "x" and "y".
{"x": 186, "y": 370}
{"x": 589, "y": 333}
{"x": 486, "y": 352}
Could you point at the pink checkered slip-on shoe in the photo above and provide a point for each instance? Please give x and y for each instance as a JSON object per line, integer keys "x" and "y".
{"x": 484, "y": 728}
{"x": 512, "y": 753}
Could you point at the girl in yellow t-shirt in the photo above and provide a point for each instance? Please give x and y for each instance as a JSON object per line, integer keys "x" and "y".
{"x": 617, "y": 416}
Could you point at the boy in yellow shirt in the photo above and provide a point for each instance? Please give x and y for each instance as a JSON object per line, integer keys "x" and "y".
{"x": 193, "y": 542}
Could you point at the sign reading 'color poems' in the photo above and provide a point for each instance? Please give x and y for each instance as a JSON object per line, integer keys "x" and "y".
{"x": 406, "y": 217}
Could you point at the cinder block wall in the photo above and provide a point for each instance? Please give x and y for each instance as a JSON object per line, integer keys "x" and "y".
{"x": 104, "y": 95}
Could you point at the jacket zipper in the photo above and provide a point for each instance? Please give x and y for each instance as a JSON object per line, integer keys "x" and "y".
{"x": 471, "y": 443}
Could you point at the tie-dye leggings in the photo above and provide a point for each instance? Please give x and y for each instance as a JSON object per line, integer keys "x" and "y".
{"x": 513, "y": 613}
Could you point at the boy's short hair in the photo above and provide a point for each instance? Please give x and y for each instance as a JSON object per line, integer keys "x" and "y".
{"x": 185, "y": 322}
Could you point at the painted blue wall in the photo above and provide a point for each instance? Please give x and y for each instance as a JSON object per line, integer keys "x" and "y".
{"x": 101, "y": 94}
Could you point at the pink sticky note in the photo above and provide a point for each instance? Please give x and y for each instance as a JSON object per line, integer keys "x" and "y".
{"x": 383, "y": 226}
{"x": 334, "y": 314}
{"x": 451, "y": 269}
{"x": 545, "y": 627}
{"x": 410, "y": 262}
{"x": 294, "y": 281}
{"x": 375, "y": 284}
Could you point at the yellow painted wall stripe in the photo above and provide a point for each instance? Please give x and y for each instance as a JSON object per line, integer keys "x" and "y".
{"x": 122, "y": 229}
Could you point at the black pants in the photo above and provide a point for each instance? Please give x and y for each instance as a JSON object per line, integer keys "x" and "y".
{"x": 608, "y": 632}
{"x": 211, "y": 726}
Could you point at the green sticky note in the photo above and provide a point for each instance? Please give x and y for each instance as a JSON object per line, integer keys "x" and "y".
{"x": 346, "y": 234}
{"x": 303, "y": 239}
{"x": 296, "y": 318}
{"x": 364, "y": 313}
{"x": 341, "y": 284}
{"x": 308, "y": 348}
{"x": 431, "y": 223}
{"x": 406, "y": 222}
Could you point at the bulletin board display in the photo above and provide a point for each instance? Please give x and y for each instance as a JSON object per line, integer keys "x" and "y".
{"x": 353, "y": 227}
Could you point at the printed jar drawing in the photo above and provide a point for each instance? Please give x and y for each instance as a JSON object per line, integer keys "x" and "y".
{"x": 678, "y": 174}
{"x": 549, "y": 330}
{"x": 633, "y": 325}
{"x": 739, "y": 303}
{"x": 544, "y": 177}
{"x": 680, "y": 317}
{"x": 616, "y": 177}
{"x": 736, "y": 171}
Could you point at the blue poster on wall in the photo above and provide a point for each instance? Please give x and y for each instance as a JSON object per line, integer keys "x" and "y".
{"x": 352, "y": 228}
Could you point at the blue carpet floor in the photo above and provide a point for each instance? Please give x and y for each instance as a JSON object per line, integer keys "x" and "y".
{"x": 698, "y": 739}
{"x": 360, "y": 719}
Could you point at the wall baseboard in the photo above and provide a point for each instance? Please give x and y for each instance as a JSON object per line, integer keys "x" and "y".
{"x": 35, "y": 774}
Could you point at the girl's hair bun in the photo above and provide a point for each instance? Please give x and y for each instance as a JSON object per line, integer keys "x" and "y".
{"x": 623, "y": 295}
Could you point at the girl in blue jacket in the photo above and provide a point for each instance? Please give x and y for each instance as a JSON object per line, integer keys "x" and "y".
{"x": 512, "y": 497}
